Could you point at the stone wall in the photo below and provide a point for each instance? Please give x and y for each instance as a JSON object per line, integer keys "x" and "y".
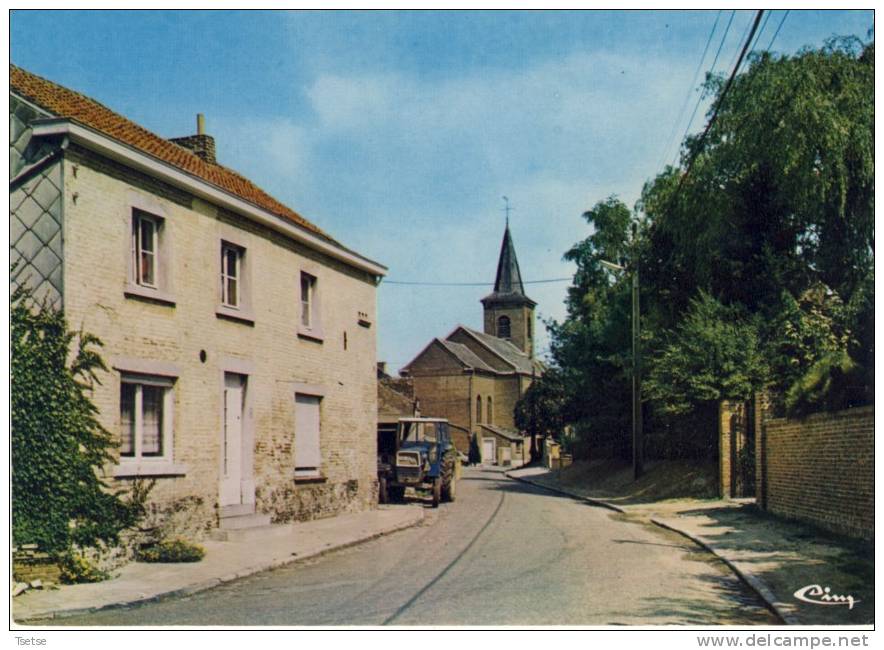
{"x": 821, "y": 469}
{"x": 28, "y": 564}
{"x": 521, "y": 325}
{"x": 446, "y": 396}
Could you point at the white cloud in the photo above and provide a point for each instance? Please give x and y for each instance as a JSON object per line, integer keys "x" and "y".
{"x": 276, "y": 153}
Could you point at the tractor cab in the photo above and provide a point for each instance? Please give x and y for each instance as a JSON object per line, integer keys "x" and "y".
{"x": 420, "y": 456}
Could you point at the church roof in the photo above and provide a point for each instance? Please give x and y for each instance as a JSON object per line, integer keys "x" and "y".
{"x": 522, "y": 362}
{"x": 466, "y": 356}
{"x": 503, "y": 432}
{"x": 508, "y": 287}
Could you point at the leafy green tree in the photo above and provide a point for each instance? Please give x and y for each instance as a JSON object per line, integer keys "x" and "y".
{"x": 592, "y": 345}
{"x": 756, "y": 256}
{"x": 781, "y": 192}
{"x": 541, "y": 409}
{"x": 58, "y": 444}
{"x": 779, "y": 202}
{"x": 713, "y": 354}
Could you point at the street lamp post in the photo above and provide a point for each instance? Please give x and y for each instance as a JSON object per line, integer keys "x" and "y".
{"x": 637, "y": 432}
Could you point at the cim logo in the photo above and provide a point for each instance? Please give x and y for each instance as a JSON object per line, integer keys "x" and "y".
{"x": 817, "y": 595}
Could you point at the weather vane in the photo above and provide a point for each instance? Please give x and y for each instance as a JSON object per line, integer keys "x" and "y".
{"x": 507, "y": 209}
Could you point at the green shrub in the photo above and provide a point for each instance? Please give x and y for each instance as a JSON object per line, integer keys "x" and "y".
{"x": 76, "y": 568}
{"x": 171, "y": 550}
{"x": 58, "y": 445}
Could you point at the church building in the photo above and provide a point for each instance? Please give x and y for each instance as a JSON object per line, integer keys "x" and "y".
{"x": 474, "y": 379}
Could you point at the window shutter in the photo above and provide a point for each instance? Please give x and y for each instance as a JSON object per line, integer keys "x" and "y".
{"x": 307, "y": 452}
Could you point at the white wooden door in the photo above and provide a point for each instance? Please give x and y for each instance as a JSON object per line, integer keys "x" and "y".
{"x": 231, "y": 441}
{"x": 488, "y": 451}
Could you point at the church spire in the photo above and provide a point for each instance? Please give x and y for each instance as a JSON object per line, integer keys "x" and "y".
{"x": 509, "y": 313}
{"x": 509, "y": 279}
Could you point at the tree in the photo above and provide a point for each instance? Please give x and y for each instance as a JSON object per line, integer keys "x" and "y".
{"x": 781, "y": 191}
{"x": 712, "y": 355}
{"x": 756, "y": 256}
{"x": 592, "y": 346}
{"x": 779, "y": 202}
{"x": 58, "y": 444}
{"x": 541, "y": 409}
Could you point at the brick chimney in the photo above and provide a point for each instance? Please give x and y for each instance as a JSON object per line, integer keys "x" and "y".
{"x": 201, "y": 144}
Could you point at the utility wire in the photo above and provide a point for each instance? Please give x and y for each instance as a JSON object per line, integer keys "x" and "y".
{"x": 470, "y": 284}
{"x": 779, "y": 27}
{"x": 742, "y": 37}
{"x": 687, "y": 99}
{"x": 761, "y": 30}
{"x": 718, "y": 104}
{"x": 711, "y": 69}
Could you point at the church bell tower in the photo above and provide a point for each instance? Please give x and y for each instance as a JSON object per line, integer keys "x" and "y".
{"x": 509, "y": 313}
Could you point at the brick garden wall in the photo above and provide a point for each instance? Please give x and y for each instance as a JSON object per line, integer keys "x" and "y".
{"x": 821, "y": 469}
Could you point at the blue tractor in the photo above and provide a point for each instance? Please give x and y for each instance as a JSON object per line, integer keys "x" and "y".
{"x": 419, "y": 455}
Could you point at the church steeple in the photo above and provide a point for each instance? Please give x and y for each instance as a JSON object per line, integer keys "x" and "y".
{"x": 509, "y": 278}
{"x": 509, "y": 313}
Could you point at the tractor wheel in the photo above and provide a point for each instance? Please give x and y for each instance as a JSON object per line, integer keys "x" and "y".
{"x": 449, "y": 480}
{"x": 383, "y": 494}
{"x": 449, "y": 492}
{"x": 437, "y": 491}
{"x": 396, "y": 493}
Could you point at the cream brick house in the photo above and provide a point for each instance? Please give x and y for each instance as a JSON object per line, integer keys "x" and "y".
{"x": 240, "y": 336}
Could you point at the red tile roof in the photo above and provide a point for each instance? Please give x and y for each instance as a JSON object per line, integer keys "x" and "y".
{"x": 66, "y": 103}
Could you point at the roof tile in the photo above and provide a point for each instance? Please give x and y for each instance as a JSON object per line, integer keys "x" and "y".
{"x": 69, "y": 104}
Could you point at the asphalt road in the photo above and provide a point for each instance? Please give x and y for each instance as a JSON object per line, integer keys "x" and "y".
{"x": 505, "y": 553}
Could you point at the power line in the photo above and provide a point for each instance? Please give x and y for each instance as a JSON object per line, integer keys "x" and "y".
{"x": 719, "y": 104}
{"x": 761, "y": 30}
{"x": 687, "y": 98}
{"x": 742, "y": 36}
{"x": 711, "y": 69}
{"x": 470, "y": 284}
{"x": 779, "y": 27}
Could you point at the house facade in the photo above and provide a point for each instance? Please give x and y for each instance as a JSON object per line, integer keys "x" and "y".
{"x": 474, "y": 379}
{"x": 239, "y": 336}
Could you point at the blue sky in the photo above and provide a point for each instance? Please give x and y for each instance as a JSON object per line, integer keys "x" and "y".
{"x": 398, "y": 132}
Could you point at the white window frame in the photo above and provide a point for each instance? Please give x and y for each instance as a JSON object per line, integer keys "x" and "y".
{"x": 308, "y": 282}
{"x": 159, "y": 290}
{"x": 139, "y": 217}
{"x": 138, "y": 458}
{"x": 309, "y": 307}
{"x": 236, "y": 275}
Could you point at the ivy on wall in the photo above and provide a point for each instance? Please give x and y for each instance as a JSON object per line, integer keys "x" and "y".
{"x": 58, "y": 444}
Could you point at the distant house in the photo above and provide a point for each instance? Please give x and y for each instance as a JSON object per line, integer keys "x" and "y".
{"x": 475, "y": 378}
{"x": 241, "y": 337}
{"x": 395, "y": 399}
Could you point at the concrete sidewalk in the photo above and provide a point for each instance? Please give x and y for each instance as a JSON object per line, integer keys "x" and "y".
{"x": 773, "y": 556}
{"x": 138, "y": 582}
